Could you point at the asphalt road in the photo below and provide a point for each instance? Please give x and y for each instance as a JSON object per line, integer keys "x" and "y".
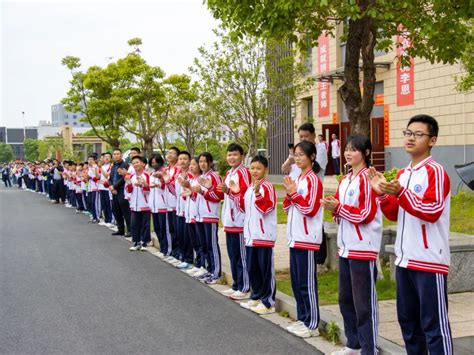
{"x": 69, "y": 287}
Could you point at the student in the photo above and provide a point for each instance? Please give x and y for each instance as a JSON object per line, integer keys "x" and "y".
{"x": 260, "y": 232}
{"x": 134, "y": 151}
{"x": 233, "y": 220}
{"x": 138, "y": 186}
{"x": 336, "y": 154}
{"x": 322, "y": 156}
{"x": 80, "y": 198}
{"x": 359, "y": 237}
{"x": 207, "y": 220}
{"x": 71, "y": 185}
{"x": 306, "y": 132}
{"x": 169, "y": 176}
{"x": 419, "y": 198}
{"x": 191, "y": 242}
{"x": 185, "y": 252}
{"x": 304, "y": 233}
{"x": 104, "y": 193}
{"x": 93, "y": 188}
{"x": 158, "y": 203}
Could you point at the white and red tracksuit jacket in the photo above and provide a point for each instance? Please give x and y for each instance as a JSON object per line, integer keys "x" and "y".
{"x": 260, "y": 221}
{"x": 171, "y": 196}
{"x": 157, "y": 198}
{"x": 422, "y": 211}
{"x": 138, "y": 195}
{"x": 180, "y": 200}
{"x": 232, "y": 217}
{"x": 104, "y": 181}
{"x": 359, "y": 233}
{"x": 191, "y": 207}
{"x": 93, "y": 179}
{"x": 208, "y": 201}
{"x": 305, "y": 215}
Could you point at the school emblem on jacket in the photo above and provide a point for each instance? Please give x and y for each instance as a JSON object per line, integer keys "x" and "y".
{"x": 351, "y": 192}
{"x": 417, "y": 188}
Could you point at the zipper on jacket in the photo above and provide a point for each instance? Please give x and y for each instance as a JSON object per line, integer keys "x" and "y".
{"x": 342, "y": 220}
{"x": 403, "y": 223}
{"x": 359, "y": 234}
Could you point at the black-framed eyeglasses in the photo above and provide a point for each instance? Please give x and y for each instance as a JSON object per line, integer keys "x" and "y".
{"x": 417, "y": 135}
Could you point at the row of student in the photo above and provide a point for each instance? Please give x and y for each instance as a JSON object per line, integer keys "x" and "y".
{"x": 182, "y": 199}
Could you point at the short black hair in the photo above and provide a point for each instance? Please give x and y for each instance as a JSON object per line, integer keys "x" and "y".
{"x": 309, "y": 127}
{"x": 158, "y": 158}
{"x": 430, "y": 121}
{"x": 118, "y": 149}
{"x": 260, "y": 159}
{"x": 107, "y": 153}
{"x": 136, "y": 149}
{"x": 234, "y": 147}
{"x": 176, "y": 149}
{"x": 185, "y": 153}
{"x": 142, "y": 159}
{"x": 93, "y": 156}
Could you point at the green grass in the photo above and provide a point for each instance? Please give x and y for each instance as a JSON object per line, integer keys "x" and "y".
{"x": 328, "y": 286}
{"x": 462, "y": 213}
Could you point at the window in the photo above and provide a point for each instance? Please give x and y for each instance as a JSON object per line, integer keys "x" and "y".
{"x": 66, "y": 123}
{"x": 74, "y": 123}
{"x": 66, "y": 116}
{"x": 82, "y": 124}
{"x": 309, "y": 108}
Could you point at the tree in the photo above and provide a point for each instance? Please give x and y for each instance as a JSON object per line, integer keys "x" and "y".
{"x": 466, "y": 81}
{"x": 31, "y": 149}
{"x": 92, "y": 94}
{"x": 437, "y": 28}
{"x": 149, "y": 96}
{"x": 49, "y": 147}
{"x": 6, "y": 153}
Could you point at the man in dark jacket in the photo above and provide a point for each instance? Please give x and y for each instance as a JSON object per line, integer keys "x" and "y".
{"x": 120, "y": 206}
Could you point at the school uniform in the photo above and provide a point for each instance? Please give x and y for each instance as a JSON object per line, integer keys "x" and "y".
{"x": 80, "y": 198}
{"x": 191, "y": 211}
{"x": 233, "y": 220}
{"x": 359, "y": 237}
{"x": 423, "y": 256}
{"x": 260, "y": 233}
{"x": 140, "y": 209}
{"x": 171, "y": 198}
{"x": 104, "y": 193}
{"x": 71, "y": 189}
{"x": 93, "y": 193}
{"x": 159, "y": 208}
{"x": 304, "y": 234}
{"x": 208, "y": 204}
{"x": 185, "y": 251}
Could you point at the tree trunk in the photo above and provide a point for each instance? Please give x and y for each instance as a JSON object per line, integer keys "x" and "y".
{"x": 114, "y": 143}
{"x": 360, "y": 41}
{"x": 147, "y": 147}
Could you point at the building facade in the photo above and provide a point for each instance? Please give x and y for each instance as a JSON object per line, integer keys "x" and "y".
{"x": 60, "y": 117}
{"x": 15, "y": 138}
{"x": 400, "y": 93}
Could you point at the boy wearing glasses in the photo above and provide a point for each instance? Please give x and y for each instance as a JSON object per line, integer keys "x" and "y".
{"x": 419, "y": 199}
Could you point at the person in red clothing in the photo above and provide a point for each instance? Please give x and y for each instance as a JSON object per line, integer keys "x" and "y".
{"x": 138, "y": 186}
{"x": 359, "y": 237}
{"x": 304, "y": 234}
{"x": 419, "y": 199}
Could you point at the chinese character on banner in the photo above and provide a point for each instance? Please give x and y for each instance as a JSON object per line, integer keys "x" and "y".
{"x": 323, "y": 66}
{"x": 386, "y": 126}
{"x": 405, "y": 75}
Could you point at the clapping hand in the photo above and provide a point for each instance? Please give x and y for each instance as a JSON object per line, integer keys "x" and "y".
{"x": 256, "y": 186}
{"x": 375, "y": 179}
{"x": 222, "y": 187}
{"x": 329, "y": 203}
{"x": 235, "y": 188}
{"x": 186, "y": 193}
{"x": 289, "y": 184}
{"x": 391, "y": 188}
{"x": 207, "y": 183}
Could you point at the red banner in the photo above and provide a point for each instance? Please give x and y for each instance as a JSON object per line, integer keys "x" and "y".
{"x": 406, "y": 74}
{"x": 386, "y": 126}
{"x": 323, "y": 66}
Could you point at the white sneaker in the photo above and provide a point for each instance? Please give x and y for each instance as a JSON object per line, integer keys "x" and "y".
{"x": 238, "y": 295}
{"x": 200, "y": 273}
{"x": 249, "y": 304}
{"x": 176, "y": 262}
{"x": 102, "y": 223}
{"x": 295, "y": 325}
{"x": 135, "y": 248}
{"x": 169, "y": 258}
{"x": 192, "y": 271}
{"x": 110, "y": 225}
{"x": 262, "y": 309}
{"x": 182, "y": 265}
{"x": 305, "y": 332}
{"x": 143, "y": 248}
{"x": 346, "y": 351}
{"x": 228, "y": 292}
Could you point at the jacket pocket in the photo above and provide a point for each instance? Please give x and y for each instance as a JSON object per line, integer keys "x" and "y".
{"x": 261, "y": 226}
{"x": 425, "y": 239}
{"x": 232, "y": 214}
{"x": 305, "y": 225}
{"x": 359, "y": 234}
{"x": 208, "y": 206}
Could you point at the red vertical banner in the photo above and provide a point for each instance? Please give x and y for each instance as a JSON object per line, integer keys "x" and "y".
{"x": 386, "y": 126}
{"x": 323, "y": 66}
{"x": 405, "y": 74}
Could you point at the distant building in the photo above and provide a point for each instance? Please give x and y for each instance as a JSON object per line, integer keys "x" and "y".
{"x": 16, "y": 136}
{"x": 60, "y": 117}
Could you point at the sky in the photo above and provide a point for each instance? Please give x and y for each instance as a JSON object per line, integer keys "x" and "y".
{"x": 36, "y": 35}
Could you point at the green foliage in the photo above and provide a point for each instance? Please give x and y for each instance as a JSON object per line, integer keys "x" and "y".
{"x": 466, "y": 81}
{"x": 31, "y": 149}
{"x": 284, "y": 314}
{"x": 390, "y": 174}
{"x": 462, "y": 213}
{"x": 6, "y": 153}
{"x": 333, "y": 333}
{"x": 48, "y": 147}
